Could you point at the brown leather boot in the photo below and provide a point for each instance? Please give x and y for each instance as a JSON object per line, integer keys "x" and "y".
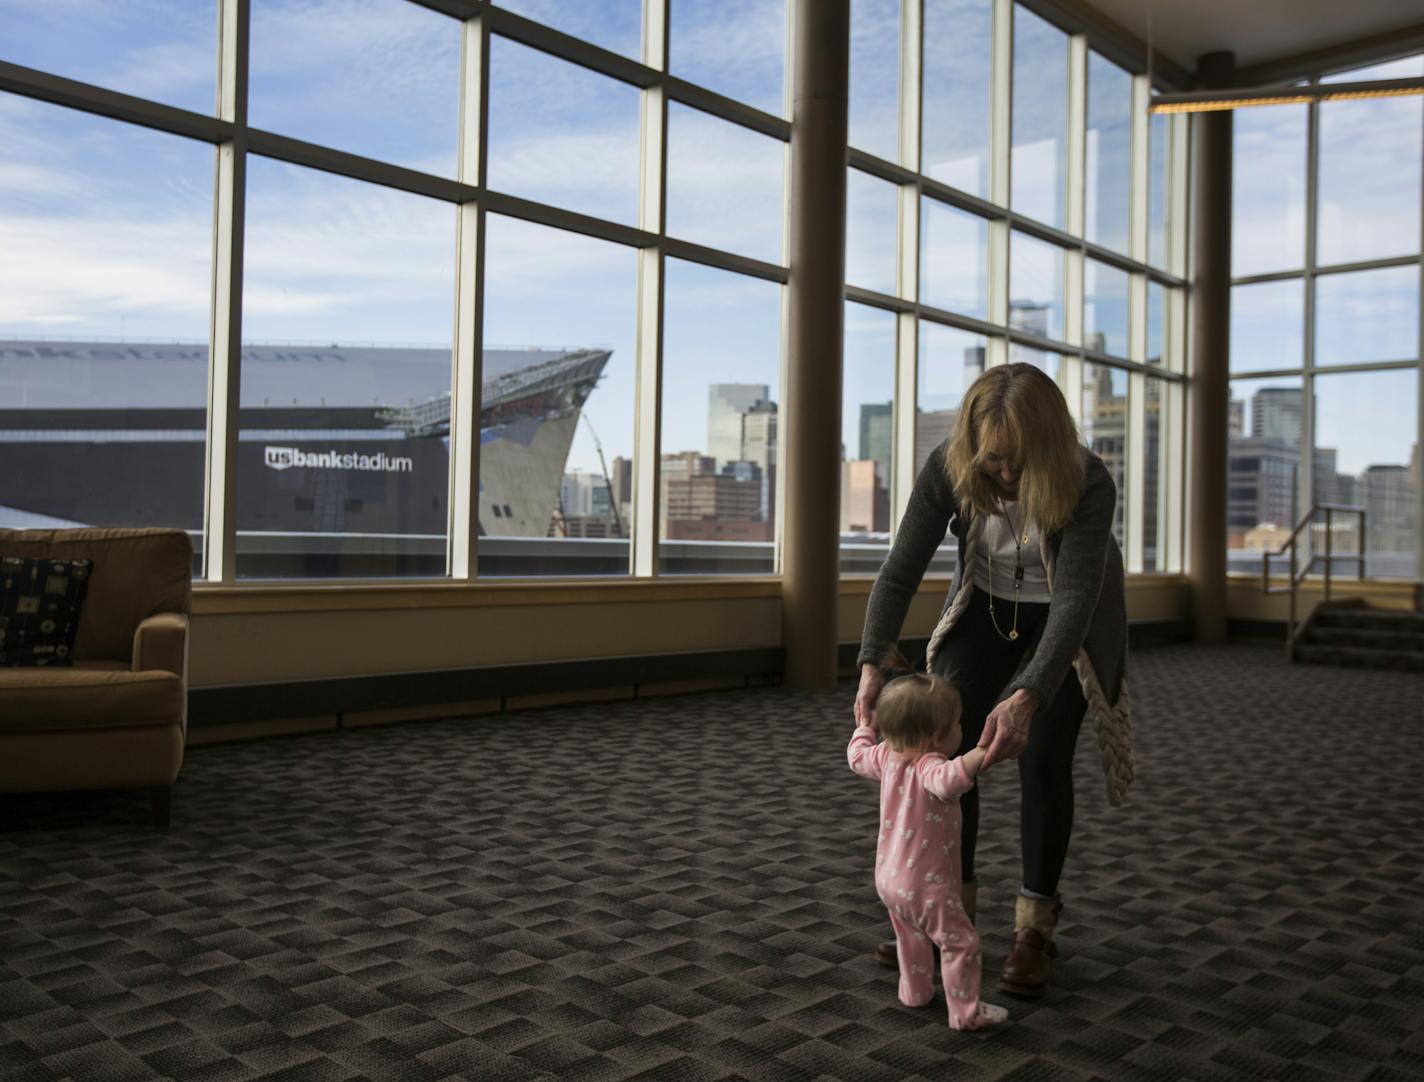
{"x": 885, "y": 952}
{"x": 1025, "y": 971}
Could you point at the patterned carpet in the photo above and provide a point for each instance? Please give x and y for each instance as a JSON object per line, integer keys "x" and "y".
{"x": 680, "y": 889}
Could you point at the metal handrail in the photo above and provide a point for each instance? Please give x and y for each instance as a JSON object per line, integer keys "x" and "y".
{"x": 1298, "y": 576}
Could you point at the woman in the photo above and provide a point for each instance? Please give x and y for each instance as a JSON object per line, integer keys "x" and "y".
{"x": 1033, "y": 633}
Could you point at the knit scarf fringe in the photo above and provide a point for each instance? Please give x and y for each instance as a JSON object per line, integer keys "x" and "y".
{"x": 1113, "y": 724}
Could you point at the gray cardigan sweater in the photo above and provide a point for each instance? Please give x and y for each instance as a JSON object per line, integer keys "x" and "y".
{"x": 1086, "y": 627}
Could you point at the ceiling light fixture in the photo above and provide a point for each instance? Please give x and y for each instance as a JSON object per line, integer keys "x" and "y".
{"x": 1209, "y": 101}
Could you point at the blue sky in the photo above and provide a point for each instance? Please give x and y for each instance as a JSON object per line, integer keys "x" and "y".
{"x": 616, "y": 25}
{"x": 105, "y": 229}
{"x": 955, "y": 113}
{"x": 875, "y": 77}
{"x": 1040, "y": 124}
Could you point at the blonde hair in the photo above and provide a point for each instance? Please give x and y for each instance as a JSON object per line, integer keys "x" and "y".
{"x": 916, "y": 712}
{"x": 1022, "y": 405}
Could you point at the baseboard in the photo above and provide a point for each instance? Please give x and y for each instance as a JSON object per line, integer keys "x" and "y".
{"x": 242, "y": 703}
{"x": 1256, "y": 629}
{"x": 1163, "y": 632}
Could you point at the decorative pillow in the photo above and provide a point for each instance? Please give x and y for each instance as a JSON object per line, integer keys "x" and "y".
{"x": 39, "y": 609}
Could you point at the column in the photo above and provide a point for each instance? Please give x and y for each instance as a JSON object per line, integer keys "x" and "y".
{"x": 1211, "y": 340}
{"x": 811, "y": 432}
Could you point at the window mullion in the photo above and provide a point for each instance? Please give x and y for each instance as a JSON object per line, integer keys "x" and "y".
{"x": 1140, "y": 156}
{"x": 1307, "y": 412}
{"x": 905, "y": 411}
{"x": 225, "y": 350}
{"x": 648, "y": 378}
{"x": 466, "y": 381}
{"x": 1419, "y": 407}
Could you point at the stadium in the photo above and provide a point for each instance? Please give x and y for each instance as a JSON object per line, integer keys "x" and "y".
{"x": 339, "y": 446}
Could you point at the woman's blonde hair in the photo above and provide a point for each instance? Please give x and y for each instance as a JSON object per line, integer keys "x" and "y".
{"x": 1025, "y": 407}
{"x": 916, "y": 712}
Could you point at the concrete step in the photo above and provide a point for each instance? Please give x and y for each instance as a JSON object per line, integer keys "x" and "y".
{"x": 1368, "y": 619}
{"x": 1372, "y": 638}
{"x": 1360, "y": 657}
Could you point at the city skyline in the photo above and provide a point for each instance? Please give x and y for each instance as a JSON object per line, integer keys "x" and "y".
{"x": 115, "y": 221}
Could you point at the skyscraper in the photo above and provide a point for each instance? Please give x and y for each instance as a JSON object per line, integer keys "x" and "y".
{"x": 759, "y": 446}
{"x": 865, "y": 505}
{"x": 932, "y": 427}
{"x": 1262, "y": 486}
{"x": 701, "y": 504}
{"x": 1276, "y": 414}
{"x": 1389, "y": 499}
{"x": 623, "y": 488}
{"x": 1236, "y": 418}
{"x": 1105, "y": 430}
{"x": 584, "y": 495}
{"x": 876, "y": 432}
{"x": 1031, "y": 316}
{"x": 726, "y": 403}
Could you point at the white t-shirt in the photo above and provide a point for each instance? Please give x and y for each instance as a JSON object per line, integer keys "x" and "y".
{"x": 997, "y": 539}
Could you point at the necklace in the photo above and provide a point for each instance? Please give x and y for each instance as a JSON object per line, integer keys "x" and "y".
{"x": 1019, "y": 543}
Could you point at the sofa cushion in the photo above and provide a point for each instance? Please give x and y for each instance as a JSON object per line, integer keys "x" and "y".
{"x": 88, "y": 696}
{"x": 40, "y": 601}
{"x": 137, "y": 572}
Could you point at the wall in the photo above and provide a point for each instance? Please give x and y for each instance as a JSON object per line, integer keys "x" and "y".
{"x": 1247, "y": 601}
{"x": 285, "y": 633}
{"x": 293, "y": 633}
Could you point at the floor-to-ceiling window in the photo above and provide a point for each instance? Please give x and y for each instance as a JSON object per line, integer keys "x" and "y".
{"x": 495, "y": 288}
{"x": 106, "y": 253}
{"x": 395, "y": 288}
{"x": 1013, "y": 201}
{"x": 1325, "y": 328}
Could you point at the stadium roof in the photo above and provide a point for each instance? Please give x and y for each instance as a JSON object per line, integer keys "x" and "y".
{"x": 53, "y": 374}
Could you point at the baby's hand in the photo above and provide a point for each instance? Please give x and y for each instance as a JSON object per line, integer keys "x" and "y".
{"x": 974, "y": 760}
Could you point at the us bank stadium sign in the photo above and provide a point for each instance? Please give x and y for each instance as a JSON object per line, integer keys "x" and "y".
{"x": 286, "y": 458}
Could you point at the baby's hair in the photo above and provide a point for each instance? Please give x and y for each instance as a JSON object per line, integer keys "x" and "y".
{"x": 893, "y": 662}
{"x": 916, "y": 712}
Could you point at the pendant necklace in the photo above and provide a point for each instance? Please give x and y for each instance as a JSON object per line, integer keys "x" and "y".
{"x": 1019, "y": 542}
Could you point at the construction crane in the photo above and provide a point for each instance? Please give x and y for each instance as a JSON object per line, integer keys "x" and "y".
{"x": 608, "y": 481}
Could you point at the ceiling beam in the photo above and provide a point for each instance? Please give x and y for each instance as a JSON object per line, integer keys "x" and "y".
{"x": 1112, "y": 40}
{"x": 1375, "y": 49}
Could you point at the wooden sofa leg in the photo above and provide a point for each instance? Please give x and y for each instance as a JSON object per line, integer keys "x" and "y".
{"x": 161, "y": 796}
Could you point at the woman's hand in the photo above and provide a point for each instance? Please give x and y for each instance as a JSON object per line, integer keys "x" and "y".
{"x": 871, "y": 681}
{"x": 1006, "y": 727}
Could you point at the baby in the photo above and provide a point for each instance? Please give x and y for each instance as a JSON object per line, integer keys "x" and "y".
{"x": 917, "y": 857}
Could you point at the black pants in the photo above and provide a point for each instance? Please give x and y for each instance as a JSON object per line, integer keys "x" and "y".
{"x": 980, "y": 663}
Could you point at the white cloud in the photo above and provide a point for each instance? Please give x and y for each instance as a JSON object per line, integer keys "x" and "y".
{"x": 82, "y": 273}
{"x": 955, "y": 268}
{"x": 614, "y": 24}
{"x": 164, "y": 49}
{"x": 526, "y": 256}
{"x": 595, "y": 172}
{"x": 159, "y": 71}
{"x": 724, "y": 185}
{"x": 374, "y": 47}
{"x": 735, "y": 47}
{"x": 375, "y": 77}
{"x": 17, "y": 178}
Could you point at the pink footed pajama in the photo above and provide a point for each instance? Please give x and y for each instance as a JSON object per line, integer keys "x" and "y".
{"x": 917, "y": 875}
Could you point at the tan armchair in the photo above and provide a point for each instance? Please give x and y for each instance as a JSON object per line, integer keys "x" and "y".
{"x": 118, "y": 717}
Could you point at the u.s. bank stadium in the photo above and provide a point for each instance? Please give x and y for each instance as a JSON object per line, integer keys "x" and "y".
{"x": 339, "y": 447}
